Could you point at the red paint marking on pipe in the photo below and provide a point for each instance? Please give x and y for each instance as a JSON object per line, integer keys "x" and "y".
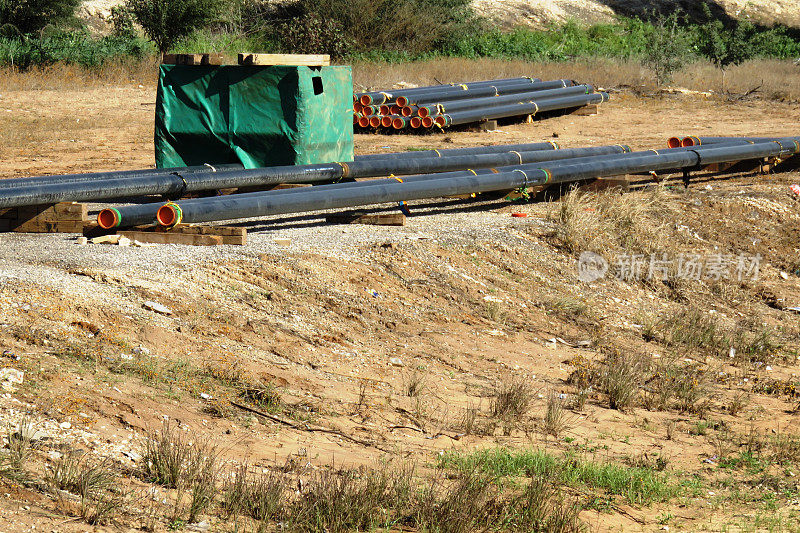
{"x": 363, "y": 122}
{"x": 386, "y": 122}
{"x": 395, "y": 110}
{"x": 440, "y": 121}
{"x": 402, "y": 101}
{"x": 519, "y": 215}
{"x": 368, "y": 111}
{"x": 407, "y": 111}
{"x": 399, "y": 123}
{"x": 416, "y": 122}
{"x": 427, "y": 122}
{"x": 384, "y": 109}
{"x": 423, "y": 111}
{"x": 375, "y": 121}
{"x": 366, "y": 100}
{"x": 674, "y": 142}
{"x": 355, "y": 118}
{"x": 357, "y": 107}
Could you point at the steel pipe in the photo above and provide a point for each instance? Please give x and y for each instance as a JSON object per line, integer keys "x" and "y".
{"x": 324, "y": 197}
{"x": 145, "y": 214}
{"x": 511, "y": 110}
{"x": 455, "y": 93}
{"x": 381, "y": 97}
{"x": 449, "y": 106}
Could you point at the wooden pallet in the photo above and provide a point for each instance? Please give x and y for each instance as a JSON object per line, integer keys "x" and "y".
{"x": 385, "y": 219}
{"x": 318, "y": 60}
{"x": 64, "y": 217}
{"x": 585, "y": 111}
{"x": 620, "y": 183}
{"x": 193, "y": 60}
{"x": 199, "y": 235}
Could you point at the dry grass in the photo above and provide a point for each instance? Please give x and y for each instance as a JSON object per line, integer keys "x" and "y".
{"x": 511, "y": 402}
{"x": 119, "y": 72}
{"x": 94, "y": 482}
{"x": 609, "y": 222}
{"x": 780, "y": 80}
{"x": 556, "y": 417}
{"x": 259, "y": 496}
{"x": 621, "y": 378}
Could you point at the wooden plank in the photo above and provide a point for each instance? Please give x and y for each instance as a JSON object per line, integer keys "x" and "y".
{"x": 316, "y": 60}
{"x": 156, "y": 237}
{"x": 193, "y": 60}
{"x": 604, "y": 184}
{"x": 230, "y": 235}
{"x": 387, "y": 219}
{"x": 64, "y": 217}
{"x": 586, "y": 111}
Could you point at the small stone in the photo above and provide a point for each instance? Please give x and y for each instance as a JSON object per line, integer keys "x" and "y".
{"x": 65, "y": 425}
{"x": 54, "y": 455}
{"x": 133, "y": 456}
{"x": 205, "y": 396}
{"x": 124, "y": 241}
{"x": 396, "y": 361}
{"x": 106, "y": 239}
{"x": 141, "y": 350}
{"x": 81, "y": 241}
{"x": 201, "y": 527}
{"x": 157, "y": 307}
{"x": 784, "y": 275}
{"x": 9, "y": 377}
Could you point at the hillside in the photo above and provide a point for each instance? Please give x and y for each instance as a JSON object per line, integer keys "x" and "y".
{"x": 540, "y": 12}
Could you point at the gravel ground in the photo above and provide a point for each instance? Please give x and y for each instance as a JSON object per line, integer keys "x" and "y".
{"x": 57, "y": 262}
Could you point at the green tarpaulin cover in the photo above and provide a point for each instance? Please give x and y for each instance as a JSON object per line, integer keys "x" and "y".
{"x": 256, "y": 116}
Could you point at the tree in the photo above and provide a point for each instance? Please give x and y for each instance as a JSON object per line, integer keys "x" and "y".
{"x": 166, "y": 21}
{"x": 667, "y": 47}
{"x": 29, "y": 16}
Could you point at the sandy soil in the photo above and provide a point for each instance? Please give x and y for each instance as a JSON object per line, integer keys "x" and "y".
{"x": 345, "y": 317}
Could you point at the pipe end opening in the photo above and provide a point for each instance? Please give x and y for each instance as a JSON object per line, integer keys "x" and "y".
{"x": 166, "y": 215}
{"x": 108, "y": 218}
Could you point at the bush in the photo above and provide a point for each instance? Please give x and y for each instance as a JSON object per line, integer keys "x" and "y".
{"x": 166, "y": 21}
{"x": 68, "y": 47}
{"x": 23, "y": 17}
{"x": 667, "y": 47}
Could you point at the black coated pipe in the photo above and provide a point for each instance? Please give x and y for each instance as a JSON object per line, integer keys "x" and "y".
{"x": 382, "y": 97}
{"x": 31, "y": 191}
{"x": 65, "y": 179}
{"x": 145, "y": 214}
{"x": 449, "y": 106}
{"x": 447, "y": 152}
{"x": 456, "y": 93}
{"x": 699, "y": 141}
{"x": 327, "y": 197}
{"x": 527, "y": 108}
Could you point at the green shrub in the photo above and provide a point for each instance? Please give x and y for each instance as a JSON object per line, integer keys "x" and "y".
{"x": 68, "y": 47}
{"x": 166, "y": 21}
{"x": 23, "y": 17}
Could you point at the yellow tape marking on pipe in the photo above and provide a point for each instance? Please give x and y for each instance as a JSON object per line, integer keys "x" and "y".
{"x": 345, "y": 169}
{"x": 438, "y": 154}
{"x": 555, "y": 145}
{"x": 518, "y": 155}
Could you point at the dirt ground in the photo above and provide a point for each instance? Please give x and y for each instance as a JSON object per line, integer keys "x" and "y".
{"x": 394, "y": 340}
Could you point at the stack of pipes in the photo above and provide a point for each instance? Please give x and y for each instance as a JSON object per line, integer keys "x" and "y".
{"x": 464, "y": 103}
{"x": 431, "y": 174}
